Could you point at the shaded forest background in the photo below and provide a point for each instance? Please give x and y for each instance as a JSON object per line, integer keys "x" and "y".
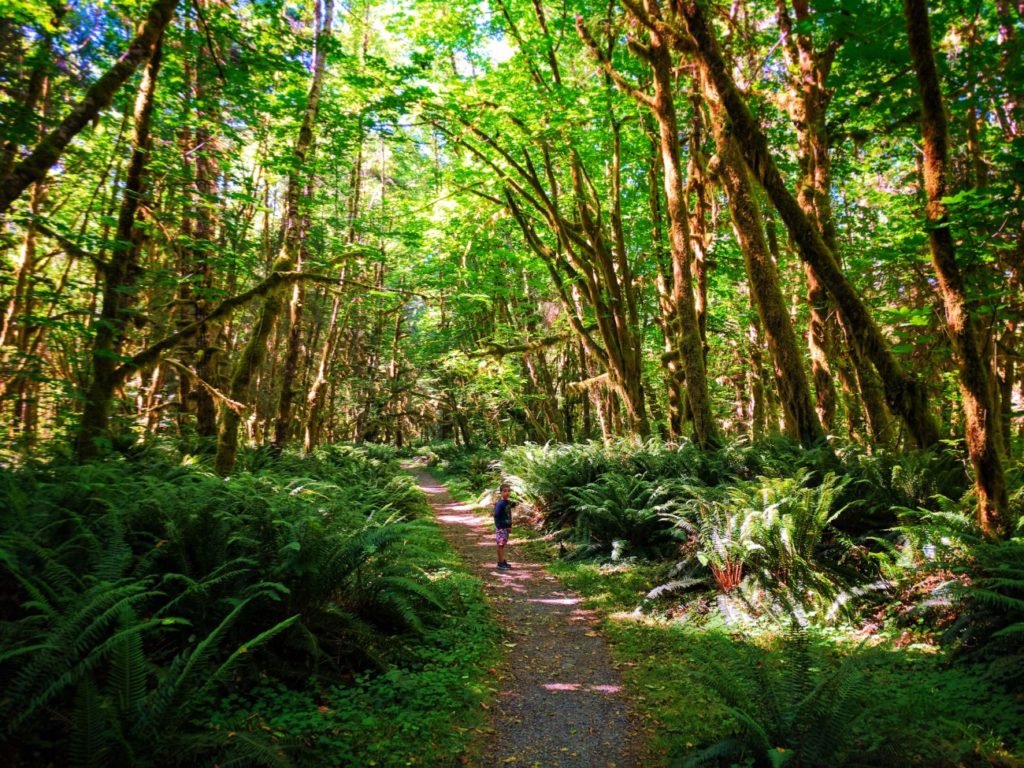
{"x": 730, "y": 293}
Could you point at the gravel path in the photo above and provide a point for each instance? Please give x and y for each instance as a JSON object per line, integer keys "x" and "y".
{"x": 560, "y": 702}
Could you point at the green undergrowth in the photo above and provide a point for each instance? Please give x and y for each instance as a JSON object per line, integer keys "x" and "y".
{"x": 772, "y": 606}
{"x": 305, "y": 611}
{"x": 464, "y": 471}
{"x": 701, "y": 685}
{"x": 423, "y": 712}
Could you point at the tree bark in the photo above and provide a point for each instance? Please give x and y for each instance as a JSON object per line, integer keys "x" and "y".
{"x": 283, "y": 418}
{"x": 255, "y": 349}
{"x": 984, "y": 443}
{"x": 119, "y": 275}
{"x": 671, "y": 359}
{"x": 662, "y": 104}
{"x": 97, "y": 98}
{"x": 904, "y": 393}
{"x": 762, "y": 272}
{"x": 199, "y": 226}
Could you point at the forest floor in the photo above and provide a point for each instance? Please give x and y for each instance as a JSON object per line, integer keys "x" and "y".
{"x": 561, "y": 702}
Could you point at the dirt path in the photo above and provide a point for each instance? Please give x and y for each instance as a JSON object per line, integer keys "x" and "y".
{"x": 561, "y": 702}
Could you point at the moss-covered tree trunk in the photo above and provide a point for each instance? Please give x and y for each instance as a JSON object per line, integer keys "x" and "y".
{"x": 255, "y": 349}
{"x": 199, "y": 223}
{"x": 120, "y": 274}
{"x": 687, "y": 328}
{"x": 692, "y": 345}
{"x": 905, "y": 394}
{"x": 671, "y": 358}
{"x": 984, "y": 443}
{"x": 762, "y": 272}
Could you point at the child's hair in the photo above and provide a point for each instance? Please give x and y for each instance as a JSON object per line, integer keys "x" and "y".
{"x": 503, "y": 486}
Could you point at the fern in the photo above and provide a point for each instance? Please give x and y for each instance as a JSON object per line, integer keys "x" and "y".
{"x": 794, "y": 516}
{"x": 71, "y": 649}
{"x": 724, "y": 533}
{"x": 90, "y": 741}
{"x": 329, "y": 563}
{"x": 794, "y": 709}
{"x": 624, "y": 508}
{"x": 990, "y": 628}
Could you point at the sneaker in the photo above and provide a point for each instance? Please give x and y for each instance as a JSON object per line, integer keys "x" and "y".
{"x": 504, "y": 566}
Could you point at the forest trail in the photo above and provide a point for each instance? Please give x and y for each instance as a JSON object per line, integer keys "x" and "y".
{"x": 561, "y": 703}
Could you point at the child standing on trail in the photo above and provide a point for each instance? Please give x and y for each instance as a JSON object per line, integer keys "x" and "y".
{"x": 503, "y": 522}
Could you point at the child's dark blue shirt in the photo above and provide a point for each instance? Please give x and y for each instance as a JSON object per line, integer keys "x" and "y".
{"x": 503, "y": 513}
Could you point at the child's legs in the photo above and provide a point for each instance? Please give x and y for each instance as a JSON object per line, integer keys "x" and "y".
{"x": 501, "y": 539}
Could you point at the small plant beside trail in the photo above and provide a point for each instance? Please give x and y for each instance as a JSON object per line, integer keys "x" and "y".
{"x": 793, "y": 707}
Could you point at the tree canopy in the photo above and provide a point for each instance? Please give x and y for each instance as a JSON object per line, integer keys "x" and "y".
{"x": 292, "y": 222}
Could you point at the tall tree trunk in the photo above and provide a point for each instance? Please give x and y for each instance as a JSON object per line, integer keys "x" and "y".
{"x": 982, "y": 427}
{"x": 97, "y": 98}
{"x": 905, "y": 394}
{"x": 316, "y": 395}
{"x": 698, "y": 395}
{"x": 1007, "y": 353}
{"x": 662, "y": 105}
{"x": 120, "y": 274}
{"x": 671, "y": 359}
{"x": 289, "y": 372}
{"x": 255, "y": 349}
{"x": 808, "y": 109}
{"x": 199, "y": 226}
{"x": 819, "y": 342}
{"x": 701, "y": 236}
{"x": 801, "y": 419}
{"x": 755, "y": 383}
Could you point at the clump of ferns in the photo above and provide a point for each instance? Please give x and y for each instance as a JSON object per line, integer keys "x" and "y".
{"x": 970, "y": 588}
{"x": 772, "y": 531}
{"x": 625, "y": 515}
{"x": 796, "y": 553}
{"x": 919, "y": 555}
{"x": 791, "y": 707}
{"x": 987, "y": 591}
{"x": 547, "y": 473}
{"x": 723, "y": 531}
{"x": 772, "y": 456}
{"x": 88, "y": 658}
{"x": 357, "y": 590}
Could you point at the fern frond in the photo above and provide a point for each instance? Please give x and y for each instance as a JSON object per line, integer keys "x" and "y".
{"x": 72, "y": 647}
{"x": 127, "y": 681}
{"x": 219, "y": 674}
{"x": 90, "y": 726}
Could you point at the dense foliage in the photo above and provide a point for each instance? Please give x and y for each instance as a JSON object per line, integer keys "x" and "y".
{"x": 301, "y": 612}
{"x": 808, "y": 603}
{"x": 735, "y": 289}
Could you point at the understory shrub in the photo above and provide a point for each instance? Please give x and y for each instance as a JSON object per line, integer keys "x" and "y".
{"x": 623, "y": 515}
{"x": 791, "y": 707}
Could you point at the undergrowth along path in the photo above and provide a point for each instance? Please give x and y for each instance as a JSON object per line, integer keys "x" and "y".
{"x": 561, "y": 702}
